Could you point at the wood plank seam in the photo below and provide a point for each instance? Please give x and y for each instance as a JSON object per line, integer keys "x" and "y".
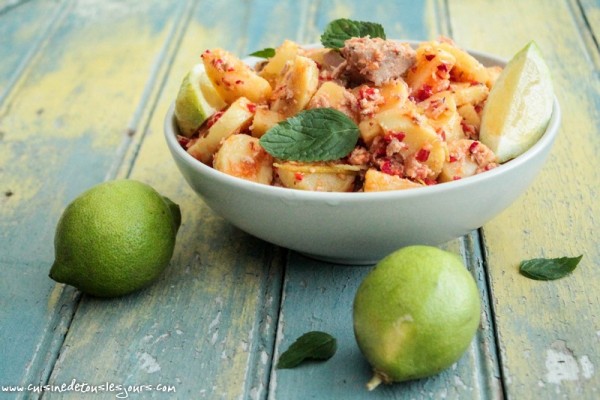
{"x": 478, "y": 251}
{"x": 11, "y": 5}
{"x": 499, "y": 351}
{"x": 34, "y": 52}
{"x": 589, "y": 39}
{"x": 473, "y": 245}
{"x": 259, "y": 373}
{"x": 153, "y": 89}
{"x": 69, "y": 297}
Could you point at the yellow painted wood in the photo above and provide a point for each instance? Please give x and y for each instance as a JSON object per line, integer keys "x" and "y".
{"x": 89, "y": 105}
{"x": 548, "y": 331}
{"x": 207, "y": 326}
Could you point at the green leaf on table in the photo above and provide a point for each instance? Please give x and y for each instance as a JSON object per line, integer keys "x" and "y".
{"x": 318, "y": 134}
{"x": 340, "y": 30}
{"x": 548, "y": 269}
{"x": 264, "y": 53}
{"x": 313, "y": 345}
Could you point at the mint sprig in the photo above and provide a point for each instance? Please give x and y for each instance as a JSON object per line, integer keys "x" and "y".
{"x": 313, "y": 345}
{"x": 267, "y": 52}
{"x": 318, "y": 134}
{"x": 547, "y": 269}
{"x": 340, "y": 30}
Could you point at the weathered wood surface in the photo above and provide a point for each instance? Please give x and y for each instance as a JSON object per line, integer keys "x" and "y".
{"x": 84, "y": 86}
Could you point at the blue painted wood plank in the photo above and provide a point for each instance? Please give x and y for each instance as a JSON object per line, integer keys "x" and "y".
{"x": 55, "y": 144}
{"x": 207, "y": 326}
{"x": 24, "y": 27}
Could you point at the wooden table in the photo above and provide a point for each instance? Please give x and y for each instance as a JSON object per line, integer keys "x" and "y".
{"x": 84, "y": 87}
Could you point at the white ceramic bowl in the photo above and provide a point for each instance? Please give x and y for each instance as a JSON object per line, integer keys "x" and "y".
{"x": 362, "y": 228}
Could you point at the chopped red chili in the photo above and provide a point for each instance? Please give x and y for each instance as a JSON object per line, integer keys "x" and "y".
{"x": 422, "y": 155}
{"x": 214, "y": 118}
{"x": 251, "y": 107}
{"x": 429, "y": 57}
{"x": 473, "y": 146}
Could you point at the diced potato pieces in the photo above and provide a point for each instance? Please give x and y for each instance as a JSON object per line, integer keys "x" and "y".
{"x": 318, "y": 177}
{"x": 242, "y": 156}
{"x": 468, "y": 93}
{"x": 442, "y": 115}
{"x": 466, "y": 67}
{"x": 493, "y": 74}
{"x": 395, "y": 94}
{"x": 424, "y": 146}
{"x": 283, "y": 55}
{"x": 296, "y": 86}
{"x": 233, "y": 79}
{"x": 333, "y": 95}
{"x": 431, "y": 71}
{"x": 369, "y": 129}
{"x": 470, "y": 115}
{"x": 235, "y": 119}
{"x": 466, "y": 158}
{"x": 377, "y": 181}
{"x": 264, "y": 119}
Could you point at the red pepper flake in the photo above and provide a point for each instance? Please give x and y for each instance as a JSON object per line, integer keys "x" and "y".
{"x": 423, "y": 93}
{"x": 422, "y": 155}
{"x": 453, "y": 158}
{"x": 217, "y": 62}
{"x": 298, "y": 176}
{"x": 393, "y": 135}
{"x": 214, "y": 118}
{"x": 473, "y": 146}
{"x": 442, "y": 67}
{"x": 429, "y": 57}
{"x": 366, "y": 93}
{"x": 206, "y": 52}
{"x": 429, "y": 181}
{"x": 251, "y": 107}
{"x": 455, "y": 177}
{"x": 386, "y": 167}
{"x": 239, "y": 82}
{"x": 183, "y": 141}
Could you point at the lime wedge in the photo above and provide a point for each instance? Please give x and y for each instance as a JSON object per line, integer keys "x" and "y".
{"x": 196, "y": 101}
{"x": 519, "y": 105}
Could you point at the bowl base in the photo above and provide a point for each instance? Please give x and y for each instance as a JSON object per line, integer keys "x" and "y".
{"x": 341, "y": 260}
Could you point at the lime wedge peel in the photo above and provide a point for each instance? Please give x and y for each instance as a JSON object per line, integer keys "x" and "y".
{"x": 196, "y": 101}
{"x": 519, "y": 106}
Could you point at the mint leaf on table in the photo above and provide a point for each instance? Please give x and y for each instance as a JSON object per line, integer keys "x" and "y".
{"x": 264, "y": 53}
{"x": 548, "y": 269}
{"x": 318, "y": 134}
{"x": 340, "y": 30}
{"x": 313, "y": 345}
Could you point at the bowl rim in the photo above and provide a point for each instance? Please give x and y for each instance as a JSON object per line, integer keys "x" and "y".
{"x": 544, "y": 142}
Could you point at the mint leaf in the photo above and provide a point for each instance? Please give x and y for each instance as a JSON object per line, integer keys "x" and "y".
{"x": 264, "y": 53}
{"x": 340, "y": 30}
{"x": 313, "y": 345}
{"x": 547, "y": 269}
{"x": 318, "y": 134}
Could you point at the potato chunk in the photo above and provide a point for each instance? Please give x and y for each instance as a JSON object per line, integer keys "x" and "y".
{"x": 235, "y": 119}
{"x": 333, "y": 95}
{"x": 467, "y": 158}
{"x": 264, "y": 119}
{"x": 296, "y": 86}
{"x": 424, "y": 151}
{"x": 377, "y": 181}
{"x": 283, "y": 55}
{"x": 233, "y": 79}
{"x": 320, "y": 177}
{"x": 242, "y": 156}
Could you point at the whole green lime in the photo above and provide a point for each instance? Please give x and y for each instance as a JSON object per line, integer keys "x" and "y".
{"x": 115, "y": 238}
{"x": 415, "y": 314}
